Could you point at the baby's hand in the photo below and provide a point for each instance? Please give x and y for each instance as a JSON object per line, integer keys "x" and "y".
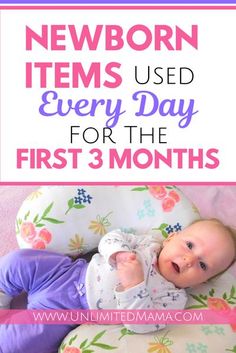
{"x": 130, "y": 272}
{"x": 123, "y": 256}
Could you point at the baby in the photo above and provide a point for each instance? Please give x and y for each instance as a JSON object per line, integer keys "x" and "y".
{"x": 128, "y": 272}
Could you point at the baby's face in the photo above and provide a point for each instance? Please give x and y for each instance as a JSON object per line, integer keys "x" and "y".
{"x": 196, "y": 254}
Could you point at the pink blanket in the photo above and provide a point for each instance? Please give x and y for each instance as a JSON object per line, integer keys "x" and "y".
{"x": 11, "y": 198}
{"x": 214, "y": 201}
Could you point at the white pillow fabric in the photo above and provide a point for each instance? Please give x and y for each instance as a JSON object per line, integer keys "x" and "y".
{"x": 72, "y": 219}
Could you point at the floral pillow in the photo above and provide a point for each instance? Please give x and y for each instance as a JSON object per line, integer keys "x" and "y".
{"x": 72, "y": 219}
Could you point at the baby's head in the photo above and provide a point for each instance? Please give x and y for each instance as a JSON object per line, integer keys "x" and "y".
{"x": 199, "y": 252}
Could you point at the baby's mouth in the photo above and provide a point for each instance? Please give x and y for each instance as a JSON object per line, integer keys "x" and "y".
{"x": 176, "y": 267}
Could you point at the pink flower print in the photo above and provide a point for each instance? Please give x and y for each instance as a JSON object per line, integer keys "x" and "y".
{"x": 159, "y": 192}
{"x": 45, "y": 235}
{"x": 168, "y": 204}
{"x": 217, "y": 304}
{"x": 28, "y": 231}
{"x": 43, "y": 238}
{"x": 72, "y": 350}
{"x": 220, "y": 304}
{"x": 38, "y": 244}
{"x": 174, "y": 195}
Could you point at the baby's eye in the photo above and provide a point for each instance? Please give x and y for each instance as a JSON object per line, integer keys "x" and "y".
{"x": 189, "y": 244}
{"x": 203, "y": 265}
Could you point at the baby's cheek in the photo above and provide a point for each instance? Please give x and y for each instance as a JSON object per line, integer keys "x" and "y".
{"x": 197, "y": 276}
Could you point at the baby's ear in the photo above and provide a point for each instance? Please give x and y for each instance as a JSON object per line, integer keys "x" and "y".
{"x": 170, "y": 236}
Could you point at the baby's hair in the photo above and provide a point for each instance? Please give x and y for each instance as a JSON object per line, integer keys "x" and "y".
{"x": 231, "y": 231}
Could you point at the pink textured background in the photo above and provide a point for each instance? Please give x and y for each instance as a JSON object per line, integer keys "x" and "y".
{"x": 212, "y": 201}
{"x": 11, "y": 198}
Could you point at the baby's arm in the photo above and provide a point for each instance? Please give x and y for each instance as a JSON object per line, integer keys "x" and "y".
{"x": 116, "y": 241}
{"x": 129, "y": 269}
{"x": 118, "y": 249}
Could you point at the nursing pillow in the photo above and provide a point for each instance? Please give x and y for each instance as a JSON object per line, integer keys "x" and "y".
{"x": 72, "y": 219}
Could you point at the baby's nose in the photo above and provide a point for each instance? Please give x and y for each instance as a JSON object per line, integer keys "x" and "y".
{"x": 189, "y": 260}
